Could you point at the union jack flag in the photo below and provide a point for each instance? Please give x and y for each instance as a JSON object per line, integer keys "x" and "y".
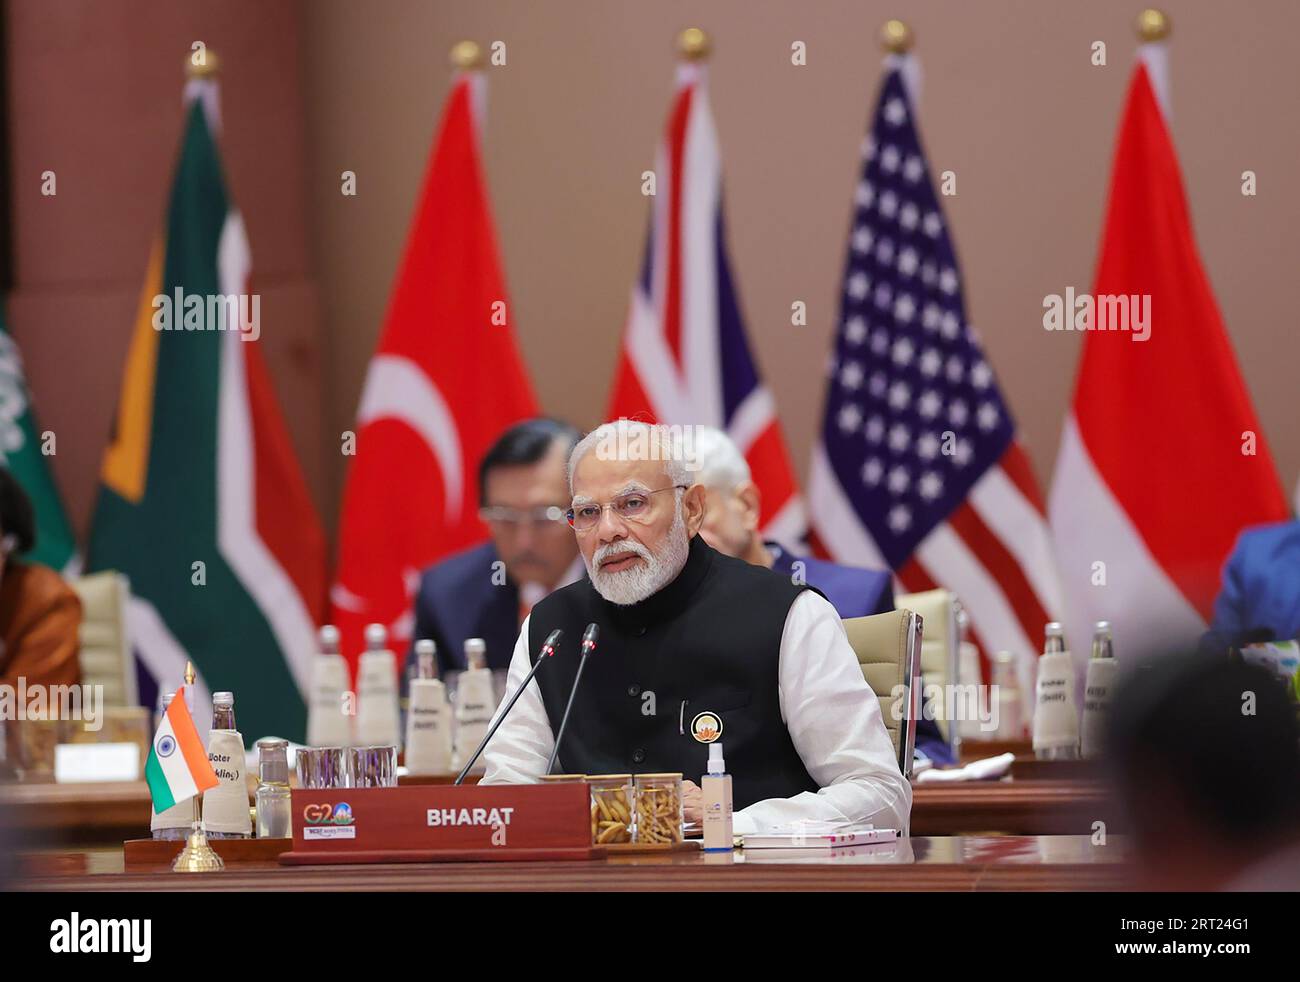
{"x": 685, "y": 356}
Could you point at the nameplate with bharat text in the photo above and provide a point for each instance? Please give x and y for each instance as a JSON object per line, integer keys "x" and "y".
{"x": 440, "y": 823}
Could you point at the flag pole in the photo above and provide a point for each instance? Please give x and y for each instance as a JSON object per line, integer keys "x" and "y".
{"x": 693, "y": 44}
{"x": 1153, "y": 25}
{"x": 1153, "y": 28}
{"x": 466, "y": 56}
{"x": 198, "y": 856}
{"x": 896, "y": 37}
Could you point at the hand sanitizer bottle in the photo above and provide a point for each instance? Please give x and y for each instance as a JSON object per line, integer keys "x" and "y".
{"x": 715, "y": 788}
{"x": 377, "y": 712}
{"x": 475, "y": 701}
{"x": 428, "y": 719}
{"x": 327, "y": 724}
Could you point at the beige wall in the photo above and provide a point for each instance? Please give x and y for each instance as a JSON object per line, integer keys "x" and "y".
{"x": 95, "y": 96}
{"x": 1010, "y": 103}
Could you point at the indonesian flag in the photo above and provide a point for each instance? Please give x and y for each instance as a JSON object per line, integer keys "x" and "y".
{"x": 685, "y": 357}
{"x": 445, "y": 381}
{"x": 1162, "y": 462}
{"x": 202, "y": 503}
{"x": 177, "y": 768}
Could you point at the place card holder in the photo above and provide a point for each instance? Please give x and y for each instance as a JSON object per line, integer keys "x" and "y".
{"x": 440, "y": 823}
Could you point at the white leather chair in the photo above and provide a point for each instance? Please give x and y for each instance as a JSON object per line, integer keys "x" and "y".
{"x": 888, "y": 647}
{"x": 940, "y": 652}
{"x": 106, "y": 656}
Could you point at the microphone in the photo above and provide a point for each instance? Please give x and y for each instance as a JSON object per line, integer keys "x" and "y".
{"x": 547, "y": 652}
{"x": 589, "y": 637}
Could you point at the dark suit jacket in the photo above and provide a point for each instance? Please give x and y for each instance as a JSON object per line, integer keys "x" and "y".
{"x": 1261, "y": 583}
{"x": 457, "y": 600}
{"x": 853, "y": 591}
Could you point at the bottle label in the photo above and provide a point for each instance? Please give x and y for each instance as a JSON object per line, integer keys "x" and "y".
{"x": 225, "y": 807}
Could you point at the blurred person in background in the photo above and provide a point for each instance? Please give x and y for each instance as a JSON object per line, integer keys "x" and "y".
{"x": 732, "y": 505}
{"x": 1259, "y": 599}
{"x": 40, "y": 614}
{"x": 487, "y": 591}
{"x": 1206, "y": 755}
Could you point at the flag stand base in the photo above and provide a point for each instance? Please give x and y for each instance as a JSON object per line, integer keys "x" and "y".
{"x": 197, "y": 856}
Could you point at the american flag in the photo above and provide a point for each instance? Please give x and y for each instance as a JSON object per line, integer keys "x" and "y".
{"x": 685, "y": 357}
{"x": 917, "y": 467}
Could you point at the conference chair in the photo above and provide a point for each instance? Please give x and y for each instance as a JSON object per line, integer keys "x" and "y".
{"x": 940, "y": 653}
{"x": 888, "y": 647}
{"x": 106, "y": 657}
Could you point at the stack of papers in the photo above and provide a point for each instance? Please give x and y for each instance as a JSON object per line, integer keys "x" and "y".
{"x": 819, "y": 835}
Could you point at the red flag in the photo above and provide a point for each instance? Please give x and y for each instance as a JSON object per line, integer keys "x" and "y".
{"x": 445, "y": 380}
{"x": 1163, "y": 460}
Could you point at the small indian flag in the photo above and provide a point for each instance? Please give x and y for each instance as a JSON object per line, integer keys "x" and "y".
{"x": 178, "y": 766}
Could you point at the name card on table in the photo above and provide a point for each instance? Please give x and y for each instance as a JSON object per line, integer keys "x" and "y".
{"x": 440, "y": 823}
{"x": 78, "y": 762}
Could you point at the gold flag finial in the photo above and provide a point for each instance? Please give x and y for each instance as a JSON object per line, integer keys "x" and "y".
{"x": 694, "y": 45}
{"x": 1153, "y": 25}
{"x": 896, "y": 37}
{"x": 466, "y": 56}
{"x": 189, "y": 673}
{"x": 202, "y": 64}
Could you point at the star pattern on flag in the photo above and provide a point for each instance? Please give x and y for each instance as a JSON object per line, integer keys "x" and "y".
{"x": 914, "y": 415}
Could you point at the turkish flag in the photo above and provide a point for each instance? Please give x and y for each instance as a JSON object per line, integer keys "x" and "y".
{"x": 445, "y": 380}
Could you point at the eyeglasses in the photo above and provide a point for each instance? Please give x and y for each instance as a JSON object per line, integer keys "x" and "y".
{"x": 634, "y": 506}
{"x": 507, "y": 518}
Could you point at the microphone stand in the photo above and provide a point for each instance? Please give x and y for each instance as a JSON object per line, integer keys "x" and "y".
{"x": 548, "y": 650}
{"x": 588, "y": 646}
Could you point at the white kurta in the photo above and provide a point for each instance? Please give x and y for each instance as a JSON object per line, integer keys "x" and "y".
{"x": 832, "y": 714}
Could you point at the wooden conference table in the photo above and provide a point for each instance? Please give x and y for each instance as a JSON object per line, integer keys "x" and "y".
{"x": 920, "y": 863}
{"x": 90, "y": 814}
{"x": 1041, "y": 840}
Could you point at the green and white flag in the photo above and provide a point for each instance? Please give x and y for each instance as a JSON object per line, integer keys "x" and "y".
{"x": 23, "y": 450}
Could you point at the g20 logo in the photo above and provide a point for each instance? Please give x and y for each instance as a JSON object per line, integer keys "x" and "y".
{"x": 340, "y": 814}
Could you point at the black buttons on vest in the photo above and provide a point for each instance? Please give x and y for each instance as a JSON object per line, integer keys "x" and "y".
{"x": 634, "y": 690}
{"x": 638, "y": 756}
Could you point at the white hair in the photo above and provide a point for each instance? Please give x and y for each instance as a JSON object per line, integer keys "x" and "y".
{"x": 718, "y": 461}
{"x": 629, "y": 439}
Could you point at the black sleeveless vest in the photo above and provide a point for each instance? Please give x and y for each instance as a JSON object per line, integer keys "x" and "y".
{"x": 709, "y": 641}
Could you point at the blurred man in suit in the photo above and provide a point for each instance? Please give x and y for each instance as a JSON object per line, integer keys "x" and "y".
{"x": 40, "y": 615}
{"x": 1205, "y": 750}
{"x": 1260, "y": 596}
{"x": 732, "y": 507}
{"x": 486, "y": 591}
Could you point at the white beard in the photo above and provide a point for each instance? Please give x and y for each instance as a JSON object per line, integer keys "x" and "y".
{"x": 631, "y": 586}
